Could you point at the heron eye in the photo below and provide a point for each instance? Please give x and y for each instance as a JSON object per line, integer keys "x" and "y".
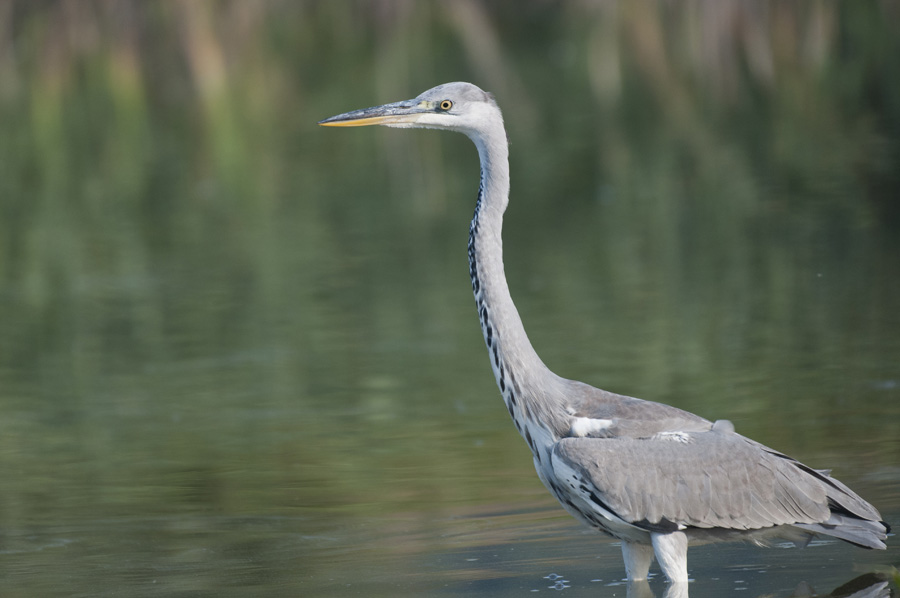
{"x": 446, "y": 105}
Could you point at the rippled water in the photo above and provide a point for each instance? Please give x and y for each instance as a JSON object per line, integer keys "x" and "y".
{"x": 489, "y": 553}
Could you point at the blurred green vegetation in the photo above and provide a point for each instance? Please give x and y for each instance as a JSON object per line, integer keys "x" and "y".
{"x": 211, "y": 304}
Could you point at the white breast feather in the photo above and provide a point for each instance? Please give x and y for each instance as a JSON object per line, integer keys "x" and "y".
{"x": 585, "y": 426}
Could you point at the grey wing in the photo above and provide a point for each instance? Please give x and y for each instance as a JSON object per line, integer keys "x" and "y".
{"x": 711, "y": 479}
{"x": 629, "y": 416}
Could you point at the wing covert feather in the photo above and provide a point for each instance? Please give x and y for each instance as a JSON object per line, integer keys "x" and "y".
{"x": 629, "y": 416}
{"x": 716, "y": 479}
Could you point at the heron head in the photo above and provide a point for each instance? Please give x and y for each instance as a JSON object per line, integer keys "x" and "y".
{"x": 457, "y": 106}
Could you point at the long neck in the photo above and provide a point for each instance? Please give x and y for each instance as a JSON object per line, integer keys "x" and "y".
{"x": 527, "y": 385}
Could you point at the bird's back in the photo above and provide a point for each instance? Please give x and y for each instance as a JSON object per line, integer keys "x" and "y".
{"x": 631, "y": 467}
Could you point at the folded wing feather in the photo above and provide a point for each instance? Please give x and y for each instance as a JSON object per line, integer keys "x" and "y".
{"x": 716, "y": 479}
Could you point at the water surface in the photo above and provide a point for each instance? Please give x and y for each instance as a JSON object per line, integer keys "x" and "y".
{"x": 239, "y": 353}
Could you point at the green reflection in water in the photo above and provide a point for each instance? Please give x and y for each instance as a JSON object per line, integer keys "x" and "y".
{"x": 238, "y": 351}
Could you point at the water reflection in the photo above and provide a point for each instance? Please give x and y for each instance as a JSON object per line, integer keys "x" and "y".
{"x": 641, "y": 589}
{"x": 225, "y": 368}
{"x": 869, "y": 585}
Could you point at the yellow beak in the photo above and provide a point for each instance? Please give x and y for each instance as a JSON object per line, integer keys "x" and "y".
{"x": 389, "y": 114}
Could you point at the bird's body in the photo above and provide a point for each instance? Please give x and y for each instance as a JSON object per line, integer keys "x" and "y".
{"x": 654, "y": 476}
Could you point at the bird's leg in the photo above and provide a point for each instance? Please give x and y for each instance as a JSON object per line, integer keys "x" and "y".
{"x": 671, "y": 553}
{"x": 637, "y": 559}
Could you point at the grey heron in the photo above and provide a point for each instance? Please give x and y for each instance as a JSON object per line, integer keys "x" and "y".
{"x": 654, "y": 476}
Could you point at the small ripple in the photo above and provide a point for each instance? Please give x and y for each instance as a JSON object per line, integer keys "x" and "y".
{"x": 560, "y": 583}
{"x": 57, "y": 543}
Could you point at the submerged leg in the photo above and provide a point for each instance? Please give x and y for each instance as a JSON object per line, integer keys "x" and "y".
{"x": 637, "y": 559}
{"x": 671, "y": 552}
